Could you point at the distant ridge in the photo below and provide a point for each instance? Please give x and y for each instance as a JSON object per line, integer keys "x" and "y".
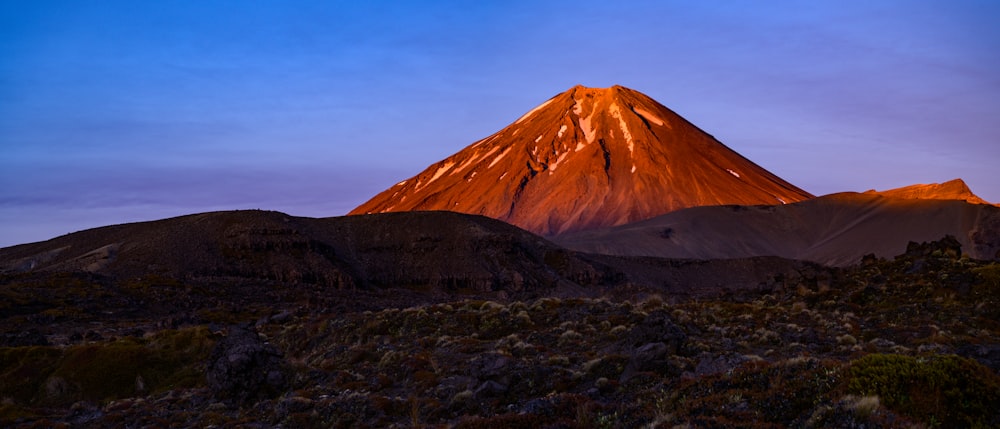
{"x": 836, "y": 229}
{"x": 430, "y": 251}
{"x": 954, "y": 189}
{"x": 232, "y": 258}
{"x": 588, "y": 158}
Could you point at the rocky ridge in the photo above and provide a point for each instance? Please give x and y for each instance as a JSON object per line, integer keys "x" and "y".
{"x": 954, "y": 189}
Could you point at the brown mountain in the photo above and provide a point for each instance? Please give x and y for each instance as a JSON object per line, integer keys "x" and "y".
{"x": 836, "y": 229}
{"x": 588, "y": 158}
{"x": 434, "y": 254}
{"x": 241, "y": 253}
{"x": 224, "y": 266}
{"x": 955, "y": 189}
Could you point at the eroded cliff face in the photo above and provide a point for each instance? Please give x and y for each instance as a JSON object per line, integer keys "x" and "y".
{"x": 588, "y": 158}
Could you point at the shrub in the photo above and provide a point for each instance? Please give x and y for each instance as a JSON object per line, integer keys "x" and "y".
{"x": 104, "y": 371}
{"x": 24, "y": 369}
{"x": 570, "y": 337}
{"x": 946, "y": 390}
{"x": 989, "y": 275}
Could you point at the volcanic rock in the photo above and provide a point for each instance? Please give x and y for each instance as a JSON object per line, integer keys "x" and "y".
{"x": 588, "y": 158}
{"x": 243, "y": 367}
{"x": 648, "y": 357}
{"x": 657, "y": 327}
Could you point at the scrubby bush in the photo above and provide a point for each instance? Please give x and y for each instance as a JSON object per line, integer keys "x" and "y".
{"x": 946, "y": 390}
{"x": 989, "y": 275}
{"x": 104, "y": 371}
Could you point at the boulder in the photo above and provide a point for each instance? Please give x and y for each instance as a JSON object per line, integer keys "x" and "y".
{"x": 649, "y": 357}
{"x": 657, "y": 327}
{"x": 244, "y": 368}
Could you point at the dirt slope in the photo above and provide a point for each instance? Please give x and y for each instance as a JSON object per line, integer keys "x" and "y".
{"x": 835, "y": 229}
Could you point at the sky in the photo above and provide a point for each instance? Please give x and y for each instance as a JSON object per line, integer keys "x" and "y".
{"x": 124, "y": 111}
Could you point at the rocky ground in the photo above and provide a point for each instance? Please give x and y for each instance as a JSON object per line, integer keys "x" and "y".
{"x": 912, "y": 341}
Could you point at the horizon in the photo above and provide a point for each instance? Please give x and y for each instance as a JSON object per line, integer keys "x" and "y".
{"x": 123, "y": 112}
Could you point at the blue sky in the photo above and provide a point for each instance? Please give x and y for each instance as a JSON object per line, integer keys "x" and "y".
{"x": 121, "y": 111}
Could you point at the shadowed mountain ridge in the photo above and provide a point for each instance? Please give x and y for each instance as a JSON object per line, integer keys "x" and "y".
{"x": 419, "y": 249}
{"x": 836, "y": 229}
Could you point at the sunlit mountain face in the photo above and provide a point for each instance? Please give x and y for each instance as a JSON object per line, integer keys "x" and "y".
{"x": 951, "y": 190}
{"x": 584, "y": 159}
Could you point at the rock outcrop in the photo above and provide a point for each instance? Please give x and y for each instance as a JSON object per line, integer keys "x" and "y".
{"x": 244, "y": 368}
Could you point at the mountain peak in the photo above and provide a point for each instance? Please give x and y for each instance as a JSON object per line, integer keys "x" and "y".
{"x": 954, "y": 189}
{"x": 588, "y": 158}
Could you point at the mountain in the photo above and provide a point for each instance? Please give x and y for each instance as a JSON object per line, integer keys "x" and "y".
{"x": 836, "y": 229}
{"x": 435, "y": 253}
{"x": 382, "y": 256}
{"x": 588, "y": 158}
{"x": 226, "y": 266}
{"x": 955, "y": 189}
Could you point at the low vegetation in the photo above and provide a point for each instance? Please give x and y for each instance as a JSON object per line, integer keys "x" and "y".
{"x": 899, "y": 343}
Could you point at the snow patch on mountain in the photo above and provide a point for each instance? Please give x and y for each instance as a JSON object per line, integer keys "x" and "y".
{"x": 617, "y": 114}
{"x": 499, "y": 157}
{"x": 475, "y": 158}
{"x": 532, "y": 111}
{"x": 463, "y": 166}
{"x": 649, "y": 116}
{"x": 588, "y": 133}
{"x": 440, "y": 172}
{"x": 488, "y": 154}
{"x": 554, "y": 165}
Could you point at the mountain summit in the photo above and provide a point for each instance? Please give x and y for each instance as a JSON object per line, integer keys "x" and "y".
{"x": 588, "y": 158}
{"x": 954, "y": 189}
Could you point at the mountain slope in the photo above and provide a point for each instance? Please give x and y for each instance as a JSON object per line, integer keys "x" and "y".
{"x": 836, "y": 229}
{"x": 955, "y": 189}
{"x": 588, "y": 158}
{"x": 441, "y": 251}
{"x": 239, "y": 265}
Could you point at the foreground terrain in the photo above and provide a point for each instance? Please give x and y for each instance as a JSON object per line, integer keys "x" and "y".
{"x": 911, "y": 341}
